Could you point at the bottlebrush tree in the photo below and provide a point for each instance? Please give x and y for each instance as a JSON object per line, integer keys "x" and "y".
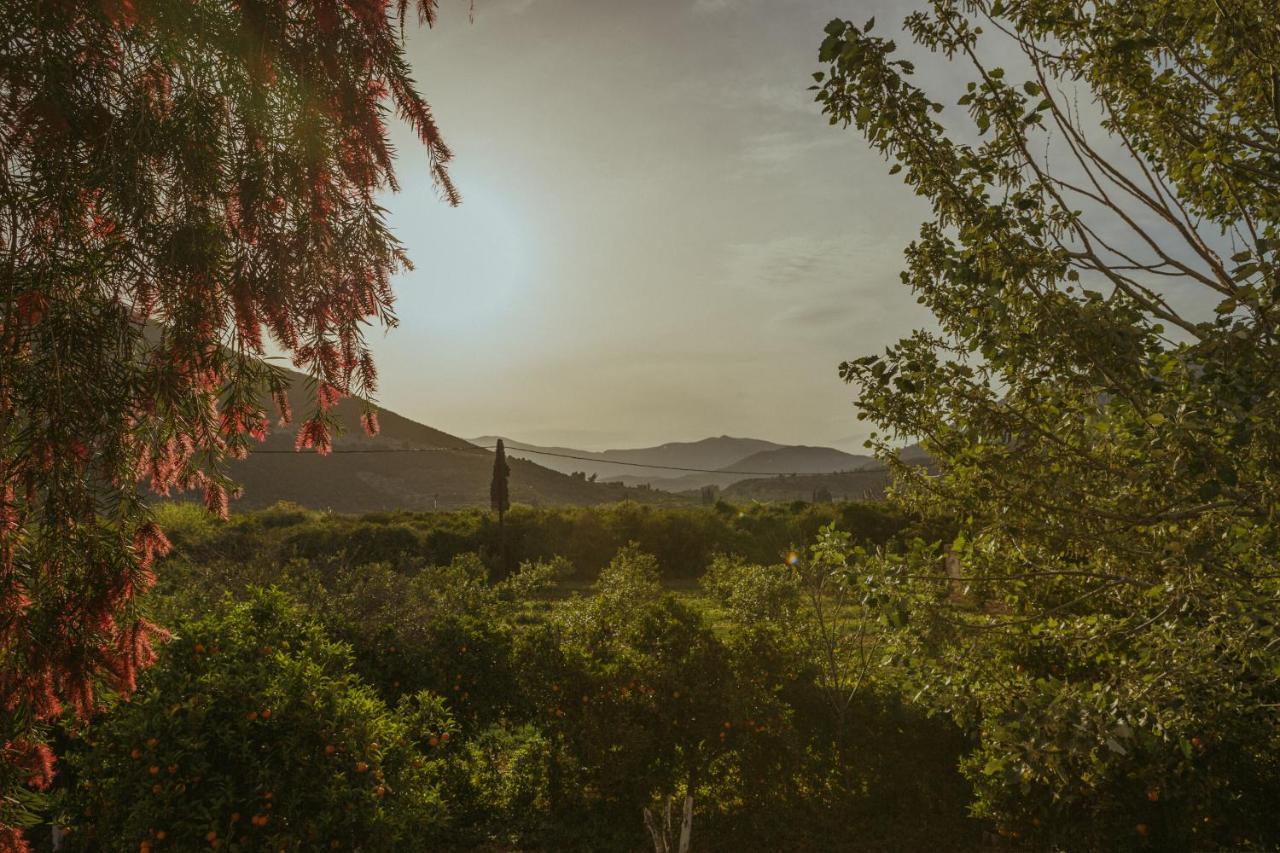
{"x": 184, "y": 182}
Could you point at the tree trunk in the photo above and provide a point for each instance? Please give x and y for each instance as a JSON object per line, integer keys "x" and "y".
{"x": 661, "y": 826}
{"x": 686, "y": 825}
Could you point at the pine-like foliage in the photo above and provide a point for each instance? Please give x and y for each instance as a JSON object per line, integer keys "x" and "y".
{"x": 183, "y": 182}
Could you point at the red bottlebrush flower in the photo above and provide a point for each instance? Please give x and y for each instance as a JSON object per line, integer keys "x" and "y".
{"x": 77, "y": 686}
{"x": 259, "y": 426}
{"x": 327, "y": 20}
{"x": 45, "y": 699}
{"x": 121, "y": 13}
{"x": 285, "y": 411}
{"x": 367, "y": 372}
{"x": 327, "y": 396}
{"x": 149, "y": 541}
{"x": 31, "y": 308}
{"x": 369, "y": 420}
{"x": 11, "y": 840}
{"x": 215, "y": 499}
{"x": 314, "y": 434}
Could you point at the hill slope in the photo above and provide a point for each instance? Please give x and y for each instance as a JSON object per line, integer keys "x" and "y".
{"x": 794, "y": 459}
{"x": 710, "y": 453}
{"x": 867, "y": 484}
{"x": 432, "y": 469}
{"x": 801, "y": 459}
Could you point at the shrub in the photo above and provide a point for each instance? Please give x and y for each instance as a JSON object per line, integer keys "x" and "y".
{"x": 252, "y": 731}
{"x": 515, "y": 782}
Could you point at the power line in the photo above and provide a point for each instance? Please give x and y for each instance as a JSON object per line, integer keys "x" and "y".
{"x": 663, "y": 467}
{"x": 598, "y": 461}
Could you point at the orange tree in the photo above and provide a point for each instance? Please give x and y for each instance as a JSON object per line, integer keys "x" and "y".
{"x": 252, "y": 732}
{"x": 182, "y": 181}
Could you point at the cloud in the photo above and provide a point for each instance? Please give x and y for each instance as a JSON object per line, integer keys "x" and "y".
{"x": 819, "y": 283}
{"x": 705, "y": 7}
{"x": 772, "y": 152}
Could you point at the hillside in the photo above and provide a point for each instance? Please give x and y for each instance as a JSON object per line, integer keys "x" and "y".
{"x": 621, "y": 465}
{"x": 801, "y": 459}
{"x": 726, "y": 460}
{"x": 795, "y": 459}
{"x": 868, "y": 484}
{"x": 432, "y": 470}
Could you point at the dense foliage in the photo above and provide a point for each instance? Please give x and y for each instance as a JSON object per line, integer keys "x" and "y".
{"x": 684, "y": 540}
{"x": 181, "y": 184}
{"x": 509, "y": 714}
{"x": 1102, "y": 400}
{"x": 252, "y": 729}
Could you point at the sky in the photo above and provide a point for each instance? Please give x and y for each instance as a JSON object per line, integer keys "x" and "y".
{"x": 661, "y": 238}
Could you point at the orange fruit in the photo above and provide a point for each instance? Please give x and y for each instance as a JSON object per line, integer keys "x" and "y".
{"x": 153, "y": 770}
{"x": 361, "y": 767}
{"x": 1142, "y": 829}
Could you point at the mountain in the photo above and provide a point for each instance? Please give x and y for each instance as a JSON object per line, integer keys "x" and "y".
{"x": 433, "y": 470}
{"x": 724, "y": 461}
{"x": 628, "y": 466}
{"x": 801, "y": 459}
{"x": 867, "y": 484}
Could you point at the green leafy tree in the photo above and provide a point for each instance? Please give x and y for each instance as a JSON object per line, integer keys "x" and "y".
{"x": 181, "y": 183}
{"x": 638, "y": 684}
{"x": 1101, "y": 397}
{"x": 252, "y": 732}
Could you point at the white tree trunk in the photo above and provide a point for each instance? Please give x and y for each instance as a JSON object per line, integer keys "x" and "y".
{"x": 686, "y": 825}
{"x": 661, "y": 826}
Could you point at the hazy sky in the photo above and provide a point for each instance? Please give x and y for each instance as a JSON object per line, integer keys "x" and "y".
{"x": 661, "y": 238}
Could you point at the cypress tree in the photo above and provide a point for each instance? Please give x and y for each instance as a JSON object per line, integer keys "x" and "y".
{"x": 500, "y": 497}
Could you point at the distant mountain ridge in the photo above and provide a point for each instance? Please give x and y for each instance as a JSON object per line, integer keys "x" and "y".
{"x": 412, "y": 466}
{"x": 407, "y": 466}
{"x": 802, "y": 459}
{"x": 722, "y": 461}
